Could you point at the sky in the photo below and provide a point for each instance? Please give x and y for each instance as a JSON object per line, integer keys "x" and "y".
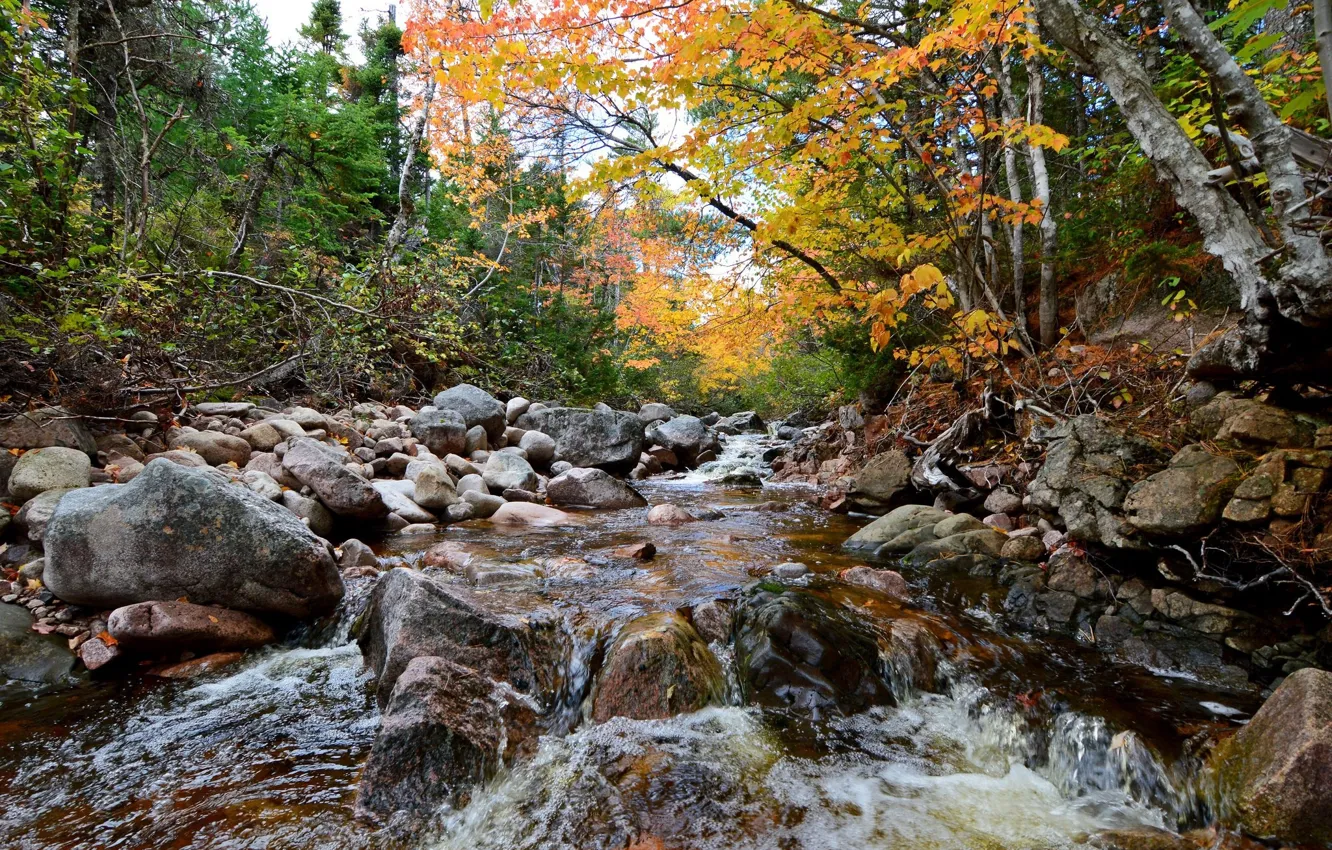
{"x": 285, "y": 18}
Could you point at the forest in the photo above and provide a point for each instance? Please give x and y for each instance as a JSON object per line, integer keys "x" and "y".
{"x": 666, "y": 424}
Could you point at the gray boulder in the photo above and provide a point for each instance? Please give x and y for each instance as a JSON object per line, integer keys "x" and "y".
{"x": 262, "y": 483}
{"x": 687, "y": 436}
{"x": 444, "y": 432}
{"x": 342, "y": 491}
{"x": 54, "y": 468}
{"x": 592, "y": 487}
{"x": 398, "y": 495}
{"x": 410, "y": 615}
{"x": 262, "y": 436}
{"x": 28, "y": 656}
{"x": 36, "y": 513}
{"x": 655, "y": 412}
{"x": 516, "y": 407}
{"x": 446, "y": 728}
{"x": 176, "y": 532}
{"x": 49, "y": 426}
{"x": 540, "y": 447}
{"x": 434, "y": 488}
{"x": 1087, "y": 474}
{"x": 483, "y": 505}
{"x": 506, "y": 471}
{"x": 476, "y": 406}
{"x": 607, "y": 440}
{"x": 1186, "y": 498}
{"x": 310, "y": 511}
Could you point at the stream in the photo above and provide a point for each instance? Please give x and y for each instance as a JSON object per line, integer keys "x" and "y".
{"x": 1035, "y": 742}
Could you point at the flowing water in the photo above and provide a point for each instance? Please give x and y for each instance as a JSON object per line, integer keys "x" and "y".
{"x": 1034, "y": 742}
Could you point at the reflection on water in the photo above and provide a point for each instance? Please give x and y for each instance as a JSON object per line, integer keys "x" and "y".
{"x": 1036, "y": 742}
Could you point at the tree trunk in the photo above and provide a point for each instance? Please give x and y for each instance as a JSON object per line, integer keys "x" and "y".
{"x": 249, "y": 212}
{"x": 1008, "y": 109}
{"x": 1262, "y": 345}
{"x": 406, "y": 205}
{"x": 1040, "y": 178}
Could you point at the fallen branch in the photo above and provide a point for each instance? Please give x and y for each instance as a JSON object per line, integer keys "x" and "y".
{"x": 217, "y": 386}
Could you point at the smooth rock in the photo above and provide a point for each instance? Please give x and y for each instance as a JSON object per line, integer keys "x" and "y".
{"x": 883, "y": 483}
{"x": 983, "y": 541}
{"x": 176, "y": 532}
{"x": 444, "y": 432}
{"x": 669, "y": 515}
{"x": 655, "y": 412}
{"x": 527, "y": 513}
{"x": 262, "y": 483}
{"x": 476, "y": 406}
{"x": 354, "y": 553}
{"x": 889, "y": 582}
{"x": 483, "y": 505}
{"x": 36, "y": 513}
{"x": 54, "y": 468}
{"x": 594, "y": 488}
{"x": 48, "y": 426}
{"x": 893, "y": 524}
{"x": 540, "y": 448}
{"x": 342, "y": 491}
{"x": 589, "y": 438}
{"x": 316, "y": 517}
{"x": 504, "y": 471}
{"x": 434, "y": 488}
{"x": 657, "y": 667}
{"x": 215, "y": 447}
{"x": 515, "y": 407}
{"x": 154, "y": 627}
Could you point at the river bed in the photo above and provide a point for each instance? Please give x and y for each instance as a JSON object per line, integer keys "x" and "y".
{"x": 1036, "y": 741}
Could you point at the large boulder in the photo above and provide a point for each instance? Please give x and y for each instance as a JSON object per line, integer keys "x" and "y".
{"x": 49, "y": 426}
{"x": 795, "y": 649}
{"x": 594, "y": 488}
{"x": 153, "y": 627}
{"x": 410, "y": 615}
{"x": 54, "y": 468}
{"x": 687, "y": 436}
{"x": 444, "y": 432}
{"x": 1277, "y": 767}
{"x": 215, "y": 447}
{"x": 1086, "y": 476}
{"x": 477, "y": 407}
{"x": 400, "y": 497}
{"x": 1186, "y": 498}
{"x": 608, "y": 440}
{"x": 445, "y": 729}
{"x": 507, "y": 471}
{"x": 883, "y": 483}
{"x": 658, "y": 667}
{"x": 177, "y": 532}
{"x": 322, "y": 469}
{"x": 28, "y": 656}
{"x": 981, "y": 541}
{"x": 894, "y": 524}
{"x": 655, "y": 411}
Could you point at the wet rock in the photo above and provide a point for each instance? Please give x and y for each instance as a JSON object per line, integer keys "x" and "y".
{"x": 1277, "y": 766}
{"x": 745, "y": 420}
{"x": 895, "y": 523}
{"x": 1072, "y": 573}
{"x": 712, "y": 620}
{"x": 54, "y": 468}
{"x": 177, "y": 532}
{"x": 477, "y": 407}
{"x": 957, "y": 524}
{"x": 983, "y": 541}
{"x": 504, "y": 471}
{"x": 418, "y": 528}
{"x": 1140, "y": 838}
{"x": 589, "y": 438}
{"x": 36, "y": 513}
{"x": 28, "y": 656}
{"x": 49, "y": 426}
{"x": 686, "y": 436}
{"x": 906, "y": 541}
{"x": 658, "y": 667}
{"x": 97, "y": 653}
{"x": 1186, "y": 498}
{"x": 594, "y": 488}
{"x": 342, "y": 491}
{"x": 445, "y": 729}
{"x": 530, "y": 514}
{"x": 798, "y": 650}
{"x": 483, "y": 505}
{"x": 636, "y": 551}
{"x": 158, "y": 627}
{"x": 887, "y": 582}
{"x": 1086, "y": 477}
{"x": 196, "y": 667}
{"x": 444, "y": 432}
{"x": 448, "y": 556}
{"x": 540, "y": 447}
{"x": 790, "y": 570}
{"x": 215, "y": 447}
{"x": 410, "y": 615}
{"x": 354, "y": 553}
{"x": 669, "y": 515}
{"x": 883, "y": 483}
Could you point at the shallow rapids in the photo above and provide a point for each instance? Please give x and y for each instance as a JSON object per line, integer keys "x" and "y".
{"x": 1032, "y": 742}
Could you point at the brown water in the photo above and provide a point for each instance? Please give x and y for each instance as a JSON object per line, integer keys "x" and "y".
{"x": 1035, "y": 743}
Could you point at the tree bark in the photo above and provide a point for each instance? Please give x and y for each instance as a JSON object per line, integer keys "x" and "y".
{"x": 1040, "y": 178}
{"x": 406, "y": 205}
{"x": 1008, "y": 110}
{"x": 249, "y": 212}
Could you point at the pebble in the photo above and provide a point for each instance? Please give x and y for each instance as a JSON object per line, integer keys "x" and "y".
{"x": 790, "y": 570}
